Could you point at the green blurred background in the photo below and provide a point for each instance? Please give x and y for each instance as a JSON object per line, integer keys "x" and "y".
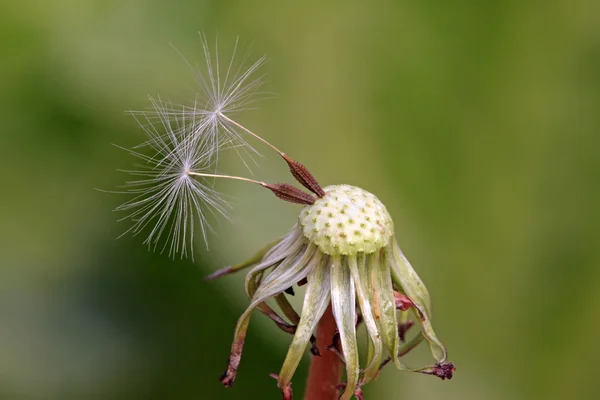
{"x": 477, "y": 123}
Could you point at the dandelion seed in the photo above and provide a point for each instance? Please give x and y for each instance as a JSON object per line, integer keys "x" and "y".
{"x": 168, "y": 199}
{"x": 175, "y": 190}
{"x": 225, "y": 90}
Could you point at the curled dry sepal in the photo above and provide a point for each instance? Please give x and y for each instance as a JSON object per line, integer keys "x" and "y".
{"x": 441, "y": 370}
{"x": 342, "y": 247}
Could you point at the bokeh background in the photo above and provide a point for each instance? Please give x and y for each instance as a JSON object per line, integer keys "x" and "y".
{"x": 477, "y": 123}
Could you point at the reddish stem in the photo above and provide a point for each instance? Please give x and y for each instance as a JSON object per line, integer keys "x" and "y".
{"x": 325, "y": 371}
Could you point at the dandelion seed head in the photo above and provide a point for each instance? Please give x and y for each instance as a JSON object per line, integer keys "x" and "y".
{"x": 337, "y": 224}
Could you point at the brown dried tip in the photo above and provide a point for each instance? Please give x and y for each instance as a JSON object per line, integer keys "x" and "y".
{"x": 358, "y": 393}
{"x": 290, "y": 193}
{"x": 227, "y": 379}
{"x": 302, "y": 175}
{"x": 286, "y": 391}
{"x": 219, "y": 273}
{"x": 235, "y": 356}
{"x": 442, "y": 371}
{"x": 403, "y": 303}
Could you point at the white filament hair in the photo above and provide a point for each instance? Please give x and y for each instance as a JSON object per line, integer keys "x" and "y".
{"x": 169, "y": 202}
{"x": 225, "y": 89}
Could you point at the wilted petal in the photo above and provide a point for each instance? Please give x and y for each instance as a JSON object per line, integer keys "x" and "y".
{"x": 316, "y": 301}
{"x": 383, "y": 303}
{"x": 282, "y": 277}
{"x": 289, "y": 249}
{"x": 254, "y": 279}
{"x": 287, "y": 273}
{"x": 343, "y": 304}
{"x": 405, "y": 276}
{"x": 279, "y": 321}
{"x": 360, "y": 276}
{"x": 287, "y": 308}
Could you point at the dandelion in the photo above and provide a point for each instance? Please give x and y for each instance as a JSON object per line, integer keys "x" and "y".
{"x": 342, "y": 248}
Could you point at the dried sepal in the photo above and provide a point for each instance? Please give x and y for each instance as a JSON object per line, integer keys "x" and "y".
{"x": 405, "y": 276}
{"x": 294, "y": 318}
{"x": 277, "y": 281}
{"x": 359, "y": 273}
{"x": 382, "y": 302}
{"x": 316, "y": 300}
{"x": 343, "y": 305}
